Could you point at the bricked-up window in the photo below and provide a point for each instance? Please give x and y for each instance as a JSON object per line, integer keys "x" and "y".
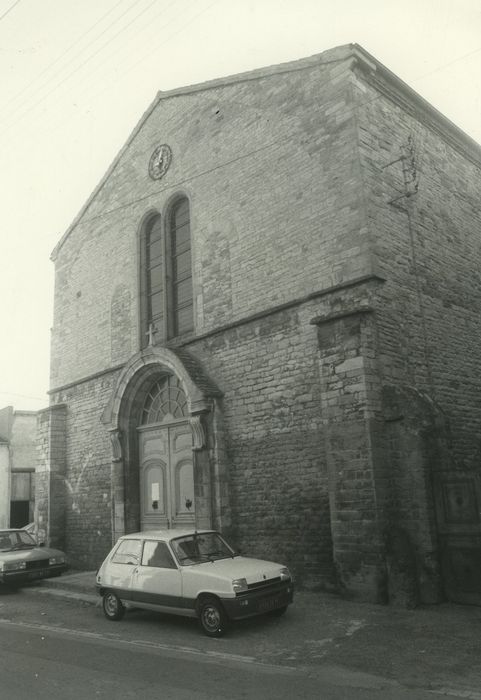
{"x": 180, "y": 302}
{"x": 152, "y": 281}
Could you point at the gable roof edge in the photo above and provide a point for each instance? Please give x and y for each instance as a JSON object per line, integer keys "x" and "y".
{"x": 376, "y": 73}
{"x": 110, "y": 169}
{"x": 395, "y": 89}
{"x": 334, "y": 55}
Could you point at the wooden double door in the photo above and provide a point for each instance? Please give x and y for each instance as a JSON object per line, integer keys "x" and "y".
{"x": 166, "y": 476}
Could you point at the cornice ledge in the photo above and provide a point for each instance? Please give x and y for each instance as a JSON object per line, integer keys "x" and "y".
{"x": 337, "y": 315}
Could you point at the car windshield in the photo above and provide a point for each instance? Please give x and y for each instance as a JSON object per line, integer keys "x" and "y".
{"x": 200, "y": 547}
{"x": 15, "y": 539}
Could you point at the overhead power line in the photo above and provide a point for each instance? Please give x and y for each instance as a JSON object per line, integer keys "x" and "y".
{"x": 159, "y": 44}
{"x": 22, "y": 396}
{"x": 59, "y": 58}
{"x": 167, "y": 38}
{"x": 9, "y": 9}
{"x": 89, "y": 58}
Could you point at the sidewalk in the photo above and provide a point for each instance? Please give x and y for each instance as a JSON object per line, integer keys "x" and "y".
{"x": 79, "y": 585}
{"x": 435, "y": 647}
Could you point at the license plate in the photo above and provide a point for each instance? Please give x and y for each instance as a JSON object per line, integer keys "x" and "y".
{"x": 268, "y": 604}
{"x": 36, "y": 574}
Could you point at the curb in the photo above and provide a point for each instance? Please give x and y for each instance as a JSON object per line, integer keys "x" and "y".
{"x": 69, "y": 594}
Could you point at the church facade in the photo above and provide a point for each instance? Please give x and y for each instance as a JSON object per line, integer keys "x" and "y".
{"x": 267, "y": 322}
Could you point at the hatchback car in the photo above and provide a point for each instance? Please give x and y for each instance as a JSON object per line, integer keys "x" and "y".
{"x": 22, "y": 560}
{"x": 190, "y": 573}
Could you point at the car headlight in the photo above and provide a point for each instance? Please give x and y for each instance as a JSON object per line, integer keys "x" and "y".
{"x": 285, "y": 574}
{"x": 239, "y": 585}
{"x": 13, "y": 565}
{"x": 56, "y": 560}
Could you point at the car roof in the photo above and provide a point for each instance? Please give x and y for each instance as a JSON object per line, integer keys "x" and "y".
{"x": 164, "y": 535}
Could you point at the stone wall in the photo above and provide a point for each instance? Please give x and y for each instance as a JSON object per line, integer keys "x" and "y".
{"x": 88, "y": 456}
{"x": 421, "y": 181}
{"x": 267, "y": 370}
{"x": 336, "y": 286}
{"x": 271, "y": 440}
{"x": 50, "y": 479}
{"x": 271, "y": 172}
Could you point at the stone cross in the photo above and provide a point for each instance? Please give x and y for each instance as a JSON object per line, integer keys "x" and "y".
{"x": 151, "y": 333}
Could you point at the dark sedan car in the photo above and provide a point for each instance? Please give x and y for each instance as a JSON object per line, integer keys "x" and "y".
{"x": 22, "y": 560}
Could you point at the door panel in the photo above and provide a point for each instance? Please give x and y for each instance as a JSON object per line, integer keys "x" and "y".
{"x": 184, "y": 491}
{"x": 182, "y": 476}
{"x": 166, "y": 477}
{"x": 157, "y": 586}
{"x": 122, "y": 565}
{"x": 154, "y": 503}
{"x": 158, "y": 580}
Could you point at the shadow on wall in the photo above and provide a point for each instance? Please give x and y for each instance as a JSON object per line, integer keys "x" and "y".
{"x": 418, "y": 450}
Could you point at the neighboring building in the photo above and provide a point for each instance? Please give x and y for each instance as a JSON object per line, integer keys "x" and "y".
{"x": 267, "y": 321}
{"x": 18, "y": 437}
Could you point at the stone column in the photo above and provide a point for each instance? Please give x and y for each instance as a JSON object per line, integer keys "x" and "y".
{"x": 117, "y": 486}
{"x": 202, "y": 473}
{"x": 351, "y": 403}
{"x": 210, "y": 470}
{"x": 221, "y": 512}
{"x": 50, "y": 495}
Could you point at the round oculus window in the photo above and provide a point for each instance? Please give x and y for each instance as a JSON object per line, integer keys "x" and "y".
{"x": 160, "y": 161}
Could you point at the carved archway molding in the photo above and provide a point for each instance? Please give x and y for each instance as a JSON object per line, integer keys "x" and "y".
{"x": 199, "y": 389}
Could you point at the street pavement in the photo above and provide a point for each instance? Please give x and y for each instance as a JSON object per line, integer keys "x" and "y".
{"x": 431, "y": 648}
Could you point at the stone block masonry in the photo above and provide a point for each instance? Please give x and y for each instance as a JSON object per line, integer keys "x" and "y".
{"x": 333, "y": 218}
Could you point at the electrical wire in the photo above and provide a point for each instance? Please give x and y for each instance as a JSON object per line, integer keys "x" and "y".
{"x": 89, "y": 76}
{"x": 22, "y": 396}
{"x": 132, "y": 67}
{"x": 59, "y": 58}
{"x": 89, "y": 58}
{"x": 178, "y": 184}
{"x": 158, "y": 45}
{"x": 9, "y": 10}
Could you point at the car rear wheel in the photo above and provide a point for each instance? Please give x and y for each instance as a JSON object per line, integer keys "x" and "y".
{"x": 112, "y": 606}
{"x": 212, "y": 617}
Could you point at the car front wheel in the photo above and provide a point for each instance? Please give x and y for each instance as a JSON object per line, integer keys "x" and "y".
{"x": 112, "y": 606}
{"x": 212, "y": 617}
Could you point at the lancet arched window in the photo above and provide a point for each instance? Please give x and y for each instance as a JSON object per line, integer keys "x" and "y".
{"x": 152, "y": 273}
{"x": 166, "y": 290}
{"x": 181, "y": 319}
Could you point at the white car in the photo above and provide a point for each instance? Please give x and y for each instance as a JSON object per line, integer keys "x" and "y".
{"x": 190, "y": 573}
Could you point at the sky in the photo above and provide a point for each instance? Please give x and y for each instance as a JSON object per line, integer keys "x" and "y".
{"x": 75, "y": 78}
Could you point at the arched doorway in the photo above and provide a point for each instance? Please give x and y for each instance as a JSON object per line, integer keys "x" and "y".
{"x": 166, "y": 468}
